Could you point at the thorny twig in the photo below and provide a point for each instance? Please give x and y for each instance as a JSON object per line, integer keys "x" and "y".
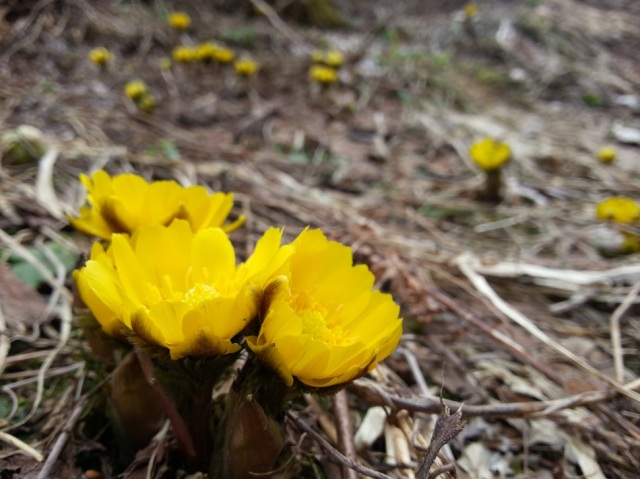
{"x": 447, "y": 427}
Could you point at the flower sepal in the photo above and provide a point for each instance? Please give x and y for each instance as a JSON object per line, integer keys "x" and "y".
{"x": 253, "y": 433}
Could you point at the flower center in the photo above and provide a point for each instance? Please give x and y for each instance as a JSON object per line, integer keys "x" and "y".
{"x": 199, "y": 293}
{"x": 316, "y": 322}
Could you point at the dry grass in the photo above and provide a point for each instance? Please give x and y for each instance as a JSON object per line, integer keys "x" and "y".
{"x": 511, "y": 310}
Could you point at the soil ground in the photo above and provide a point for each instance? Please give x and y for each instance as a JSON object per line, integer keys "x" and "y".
{"x": 521, "y": 310}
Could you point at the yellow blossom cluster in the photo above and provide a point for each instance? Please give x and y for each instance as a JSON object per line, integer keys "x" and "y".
{"x": 325, "y": 66}
{"x": 209, "y": 52}
{"x": 168, "y": 278}
{"x": 138, "y": 92}
{"x": 332, "y": 58}
{"x": 619, "y": 209}
{"x": 323, "y": 74}
{"x": 623, "y": 211}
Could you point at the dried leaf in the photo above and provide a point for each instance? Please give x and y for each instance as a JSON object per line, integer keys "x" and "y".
{"x": 22, "y": 305}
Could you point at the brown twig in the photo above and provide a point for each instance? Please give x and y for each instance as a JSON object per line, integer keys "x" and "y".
{"x": 495, "y": 334}
{"x": 280, "y": 25}
{"x": 333, "y": 452}
{"x": 376, "y": 396}
{"x": 62, "y": 439}
{"x": 614, "y": 323}
{"x": 345, "y": 432}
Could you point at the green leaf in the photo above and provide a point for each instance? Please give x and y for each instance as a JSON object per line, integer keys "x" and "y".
{"x": 29, "y": 275}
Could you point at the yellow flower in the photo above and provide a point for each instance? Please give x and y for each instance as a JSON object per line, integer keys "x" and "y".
{"x": 100, "y": 56}
{"x": 206, "y": 51}
{"x": 245, "y": 67}
{"x": 224, "y": 55}
{"x": 126, "y": 202}
{"x": 630, "y": 243}
{"x": 178, "y": 289}
{"x": 135, "y": 89}
{"x": 322, "y": 74}
{"x": 184, "y": 54}
{"x": 333, "y": 58}
{"x": 607, "y": 154}
{"x": 325, "y": 325}
{"x": 470, "y": 10}
{"x": 179, "y": 20}
{"x": 619, "y": 209}
{"x": 147, "y": 103}
{"x": 489, "y": 154}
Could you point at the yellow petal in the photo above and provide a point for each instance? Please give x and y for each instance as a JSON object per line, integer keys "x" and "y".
{"x": 91, "y": 222}
{"x": 130, "y": 274}
{"x": 207, "y": 330}
{"x": 145, "y": 328}
{"x": 346, "y": 286}
{"x": 306, "y": 356}
{"x": 212, "y": 256}
{"x": 268, "y": 261}
{"x": 280, "y": 321}
{"x": 107, "y": 317}
{"x": 206, "y": 210}
{"x": 220, "y": 317}
{"x": 168, "y": 317}
{"x": 314, "y": 257}
{"x": 164, "y": 252}
{"x": 270, "y": 356}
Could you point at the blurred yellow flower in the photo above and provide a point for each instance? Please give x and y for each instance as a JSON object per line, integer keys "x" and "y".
{"x": 206, "y": 51}
{"x": 489, "y": 154}
{"x": 184, "y": 54}
{"x": 607, "y": 154}
{"x": 100, "y": 56}
{"x": 322, "y": 74}
{"x": 135, "y": 89}
{"x": 619, "y": 209}
{"x": 333, "y": 58}
{"x": 245, "y": 67}
{"x": 179, "y": 20}
{"x": 224, "y": 55}
{"x": 325, "y": 325}
{"x": 470, "y": 10}
{"x": 630, "y": 243}
{"x": 126, "y": 202}
{"x": 147, "y": 103}
{"x": 176, "y": 288}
